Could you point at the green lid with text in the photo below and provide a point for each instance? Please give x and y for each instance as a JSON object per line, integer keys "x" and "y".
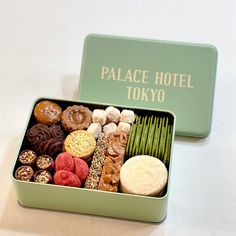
{"x": 179, "y": 77}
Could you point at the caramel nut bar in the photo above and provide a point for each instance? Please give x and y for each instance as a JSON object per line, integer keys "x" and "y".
{"x": 97, "y": 162}
{"x": 115, "y": 153}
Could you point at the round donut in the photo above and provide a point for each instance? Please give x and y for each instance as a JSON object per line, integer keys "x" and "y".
{"x": 76, "y": 118}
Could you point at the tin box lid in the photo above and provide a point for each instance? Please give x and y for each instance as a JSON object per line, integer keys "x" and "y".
{"x": 174, "y": 76}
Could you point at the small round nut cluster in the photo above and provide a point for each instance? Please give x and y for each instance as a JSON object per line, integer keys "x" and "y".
{"x": 33, "y": 167}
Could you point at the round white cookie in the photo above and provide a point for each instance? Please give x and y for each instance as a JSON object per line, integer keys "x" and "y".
{"x": 143, "y": 175}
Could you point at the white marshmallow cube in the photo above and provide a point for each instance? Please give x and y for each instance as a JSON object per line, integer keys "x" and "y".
{"x": 109, "y": 128}
{"x": 124, "y": 127}
{"x": 113, "y": 114}
{"x": 95, "y": 129}
{"x": 127, "y": 116}
{"x": 99, "y": 116}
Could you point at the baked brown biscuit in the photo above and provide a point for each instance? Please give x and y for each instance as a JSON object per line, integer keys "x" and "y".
{"x": 47, "y": 112}
{"x": 80, "y": 143}
{"x": 76, "y": 118}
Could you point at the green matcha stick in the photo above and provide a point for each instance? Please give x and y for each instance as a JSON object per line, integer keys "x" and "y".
{"x": 160, "y": 140}
{"x": 143, "y": 135}
{"x": 137, "y": 138}
{"x": 151, "y": 130}
{"x": 132, "y": 136}
{"x": 166, "y": 153}
{"x": 127, "y": 150}
{"x": 156, "y": 138}
{"x": 169, "y": 147}
{"x": 164, "y": 138}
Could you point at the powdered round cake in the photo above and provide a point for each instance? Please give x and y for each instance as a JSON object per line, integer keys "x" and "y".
{"x": 143, "y": 175}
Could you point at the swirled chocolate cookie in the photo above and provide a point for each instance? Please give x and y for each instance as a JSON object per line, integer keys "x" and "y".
{"x": 46, "y": 140}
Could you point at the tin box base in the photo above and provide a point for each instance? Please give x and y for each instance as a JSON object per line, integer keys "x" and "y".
{"x": 95, "y": 202}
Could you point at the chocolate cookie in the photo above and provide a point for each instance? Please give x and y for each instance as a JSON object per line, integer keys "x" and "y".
{"x": 46, "y": 140}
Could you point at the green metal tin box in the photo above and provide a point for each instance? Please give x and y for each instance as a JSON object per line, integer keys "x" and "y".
{"x": 150, "y": 77}
{"x": 164, "y": 75}
{"x": 81, "y": 200}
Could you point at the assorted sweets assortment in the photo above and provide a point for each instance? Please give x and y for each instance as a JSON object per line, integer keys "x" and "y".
{"x": 96, "y": 147}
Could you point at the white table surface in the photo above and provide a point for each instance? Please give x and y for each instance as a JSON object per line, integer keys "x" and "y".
{"x": 41, "y": 45}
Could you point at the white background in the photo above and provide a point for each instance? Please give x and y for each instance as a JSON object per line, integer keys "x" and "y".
{"x": 41, "y": 45}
